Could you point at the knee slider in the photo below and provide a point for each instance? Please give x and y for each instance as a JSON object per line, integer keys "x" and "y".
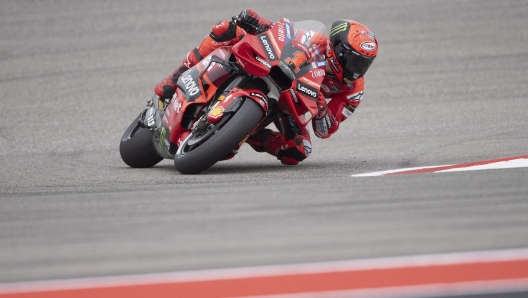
{"x": 299, "y": 148}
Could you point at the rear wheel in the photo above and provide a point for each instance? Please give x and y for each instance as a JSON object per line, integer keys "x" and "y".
{"x": 212, "y": 142}
{"x": 136, "y": 147}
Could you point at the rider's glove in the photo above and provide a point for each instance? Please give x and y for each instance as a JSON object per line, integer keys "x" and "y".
{"x": 324, "y": 124}
{"x": 248, "y": 20}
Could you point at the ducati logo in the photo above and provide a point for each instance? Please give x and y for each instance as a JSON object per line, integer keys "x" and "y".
{"x": 368, "y": 46}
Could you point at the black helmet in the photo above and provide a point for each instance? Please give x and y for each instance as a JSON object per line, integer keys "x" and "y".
{"x": 351, "y": 51}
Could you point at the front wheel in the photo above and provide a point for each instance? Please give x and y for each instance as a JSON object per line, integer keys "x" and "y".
{"x": 201, "y": 151}
{"x": 136, "y": 147}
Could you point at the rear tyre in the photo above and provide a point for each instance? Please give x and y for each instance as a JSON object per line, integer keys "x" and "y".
{"x": 199, "y": 152}
{"x": 136, "y": 147}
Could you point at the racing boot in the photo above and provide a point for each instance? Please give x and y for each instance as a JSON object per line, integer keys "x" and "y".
{"x": 289, "y": 152}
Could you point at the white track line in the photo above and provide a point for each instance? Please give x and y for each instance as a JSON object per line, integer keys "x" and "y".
{"x": 502, "y": 163}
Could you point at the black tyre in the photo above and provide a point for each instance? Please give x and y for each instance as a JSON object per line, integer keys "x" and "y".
{"x": 198, "y": 153}
{"x": 136, "y": 148}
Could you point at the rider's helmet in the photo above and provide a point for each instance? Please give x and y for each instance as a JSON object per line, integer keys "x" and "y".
{"x": 351, "y": 50}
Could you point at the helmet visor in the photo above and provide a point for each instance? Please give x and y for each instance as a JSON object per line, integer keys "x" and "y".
{"x": 356, "y": 66}
{"x": 353, "y": 63}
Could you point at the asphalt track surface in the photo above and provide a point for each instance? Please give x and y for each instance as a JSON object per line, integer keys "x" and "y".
{"x": 449, "y": 86}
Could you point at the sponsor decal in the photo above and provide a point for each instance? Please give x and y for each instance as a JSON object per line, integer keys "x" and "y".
{"x": 287, "y": 69}
{"x": 333, "y": 65}
{"x": 325, "y": 88}
{"x": 220, "y": 44}
{"x": 151, "y": 121}
{"x": 190, "y": 85}
{"x": 371, "y": 35}
{"x": 264, "y": 41}
{"x": 288, "y": 34}
{"x": 263, "y": 62}
{"x": 328, "y": 122}
{"x": 177, "y": 107}
{"x": 187, "y": 61}
{"x": 309, "y": 91}
{"x": 307, "y": 35}
{"x": 259, "y": 96}
{"x": 296, "y": 61}
{"x": 220, "y": 24}
{"x": 281, "y": 34}
{"x": 294, "y": 96}
{"x": 263, "y": 99}
{"x": 240, "y": 62}
{"x": 356, "y": 96}
{"x": 317, "y": 73}
{"x": 216, "y": 112}
{"x": 347, "y": 113}
{"x": 339, "y": 28}
{"x": 368, "y": 46}
{"x": 305, "y": 80}
{"x": 335, "y": 88}
{"x": 302, "y": 47}
{"x": 321, "y": 64}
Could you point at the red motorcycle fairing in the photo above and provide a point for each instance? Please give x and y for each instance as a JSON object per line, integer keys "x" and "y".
{"x": 198, "y": 87}
{"x": 284, "y": 55}
{"x": 231, "y": 102}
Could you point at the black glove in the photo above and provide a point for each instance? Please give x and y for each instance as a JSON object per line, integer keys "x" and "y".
{"x": 248, "y": 20}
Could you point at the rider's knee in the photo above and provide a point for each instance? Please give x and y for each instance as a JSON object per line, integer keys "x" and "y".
{"x": 297, "y": 149}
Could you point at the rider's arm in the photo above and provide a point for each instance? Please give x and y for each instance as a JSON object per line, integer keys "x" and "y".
{"x": 224, "y": 33}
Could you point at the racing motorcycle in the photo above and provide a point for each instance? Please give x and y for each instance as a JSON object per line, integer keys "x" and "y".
{"x": 231, "y": 94}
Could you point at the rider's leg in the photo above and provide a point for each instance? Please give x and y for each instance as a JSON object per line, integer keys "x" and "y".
{"x": 291, "y": 148}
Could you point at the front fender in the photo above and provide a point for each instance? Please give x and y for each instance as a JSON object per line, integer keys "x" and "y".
{"x": 234, "y": 100}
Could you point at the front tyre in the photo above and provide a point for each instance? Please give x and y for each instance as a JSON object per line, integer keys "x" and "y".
{"x": 136, "y": 147}
{"x": 199, "y": 152}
